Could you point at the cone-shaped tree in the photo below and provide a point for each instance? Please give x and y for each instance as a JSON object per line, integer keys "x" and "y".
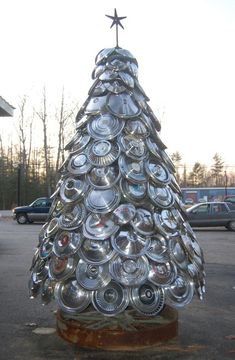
{"x": 117, "y": 235}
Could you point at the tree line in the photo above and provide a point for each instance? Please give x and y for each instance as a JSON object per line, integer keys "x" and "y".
{"x": 200, "y": 175}
{"x": 28, "y": 171}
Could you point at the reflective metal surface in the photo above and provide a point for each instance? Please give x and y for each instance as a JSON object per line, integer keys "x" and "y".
{"x": 143, "y": 222}
{"x": 147, "y": 299}
{"x": 158, "y": 172}
{"x": 105, "y": 127}
{"x": 117, "y": 233}
{"x": 66, "y": 243}
{"x": 115, "y": 87}
{"x": 95, "y": 251}
{"x": 79, "y": 164}
{"x": 162, "y": 274}
{"x": 40, "y": 271}
{"x": 96, "y": 105}
{"x": 61, "y": 269}
{"x": 47, "y": 291}
{"x": 73, "y": 189}
{"x": 161, "y": 196}
{"x": 129, "y": 271}
{"x": 180, "y": 293}
{"x": 78, "y": 142}
{"x": 124, "y": 213}
{"x": 45, "y": 248}
{"x": 71, "y": 297}
{"x": 52, "y": 227}
{"x": 129, "y": 244}
{"x": 103, "y": 177}
{"x": 110, "y": 300}
{"x": 102, "y": 201}
{"x": 177, "y": 253}
{"x": 92, "y": 277}
{"x": 123, "y": 105}
{"x": 135, "y": 193}
{"x": 98, "y": 226}
{"x": 102, "y": 153}
{"x": 134, "y": 147}
{"x": 157, "y": 249}
{"x": 136, "y": 127}
{"x": 72, "y": 216}
{"x": 132, "y": 170}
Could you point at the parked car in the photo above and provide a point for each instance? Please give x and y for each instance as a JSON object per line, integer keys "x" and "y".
{"x": 212, "y": 214}
{"x": 230, "y": 198}
{"x": 37, "y": 211}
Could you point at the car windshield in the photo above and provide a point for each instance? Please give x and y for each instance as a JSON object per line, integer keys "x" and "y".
{"x": 39, "y": 202}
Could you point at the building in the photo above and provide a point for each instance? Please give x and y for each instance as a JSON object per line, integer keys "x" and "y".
{"x": 5, "y": 108}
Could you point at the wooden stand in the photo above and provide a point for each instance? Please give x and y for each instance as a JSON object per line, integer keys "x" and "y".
{"x": 145, "y": 335}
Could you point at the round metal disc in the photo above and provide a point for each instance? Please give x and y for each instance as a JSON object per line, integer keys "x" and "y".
{"x": 40, "y": 271}
{"x": 129, "y": 271}
{"x": 92, "y": 277}
{"x": 96, "y": 105}
{"x": 105, "y": 127}
{"x": 162, "y": 274}
{"x": 110, "y": 300}
{"x": 181, "y": 291}
{"x": 72, "y": 189}
{"x": 102, "y": 201}
{"x": 115, "y": 86}
{"x": 136, "y": 127}
{"x": 79, "y": 164}
{"x": 147, "y": 299}
{"x": 129, "y": 244}
{"x": 177, "y": 253}
{"x": 124, "y": 213}
{"x": 45, "y": 248}
{"x": 102, "y": 153}
{"x": 157, "y": 250}
{"x": 99, "y": 227}
{"x": 135, "y": 193}
{"x": 123, "y": 105}
{"x": 71, "y": 297}
{"x": 61, "y": 269}
{"x": 96, "y": 252}
{"x": 143, "y": 222}
{"x": 72, "y": 216}
{"x": 158, "y": 172}
{"x": 161, "y": 196}
{"x": 47, "y": 291}
{"x": 103, "y": 177}
{"x": 132, "y": 170}
{"x": 66, "y": 243}
{"x": 134, "y": 147}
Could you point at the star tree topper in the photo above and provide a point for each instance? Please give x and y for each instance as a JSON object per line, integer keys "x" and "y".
{"x": 116, "y": 21}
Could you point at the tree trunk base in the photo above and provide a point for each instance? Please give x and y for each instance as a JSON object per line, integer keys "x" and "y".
{"x": 143, "y": 336}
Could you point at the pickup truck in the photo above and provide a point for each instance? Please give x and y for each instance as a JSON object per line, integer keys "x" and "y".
{"x": 37, "y": 211}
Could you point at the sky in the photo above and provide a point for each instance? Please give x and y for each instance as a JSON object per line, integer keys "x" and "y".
{"x": 185, "y": 52}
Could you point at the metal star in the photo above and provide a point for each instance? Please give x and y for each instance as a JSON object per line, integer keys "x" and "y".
{"x": 116, "y": 21}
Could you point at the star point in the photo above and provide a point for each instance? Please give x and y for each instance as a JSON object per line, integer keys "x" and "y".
{"x": 116, "y": 21}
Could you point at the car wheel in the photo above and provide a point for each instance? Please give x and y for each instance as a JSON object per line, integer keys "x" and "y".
{"x": 21, "y": 218}
{"x": 231, "y": 226}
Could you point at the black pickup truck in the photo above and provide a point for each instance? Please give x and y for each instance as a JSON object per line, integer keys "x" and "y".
{"x": 37, "y": 211}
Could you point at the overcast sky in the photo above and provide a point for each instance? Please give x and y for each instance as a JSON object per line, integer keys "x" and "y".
{"x": 185, "y": 51}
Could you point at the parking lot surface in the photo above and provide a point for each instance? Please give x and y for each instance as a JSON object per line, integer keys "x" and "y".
{"x": 206, "y": 328}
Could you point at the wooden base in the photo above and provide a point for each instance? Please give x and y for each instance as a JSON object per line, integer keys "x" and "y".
{"x": 144, "y": 334}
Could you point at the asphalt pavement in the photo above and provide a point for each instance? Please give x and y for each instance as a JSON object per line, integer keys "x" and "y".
{"x": 28, "y": 330}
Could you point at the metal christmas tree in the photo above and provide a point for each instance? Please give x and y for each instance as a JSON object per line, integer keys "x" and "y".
{"x": 117, "y": 235}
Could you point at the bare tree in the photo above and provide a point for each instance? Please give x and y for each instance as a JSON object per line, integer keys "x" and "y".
{"x": 63, "y": 118}
{"x": 42, "y": 114}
